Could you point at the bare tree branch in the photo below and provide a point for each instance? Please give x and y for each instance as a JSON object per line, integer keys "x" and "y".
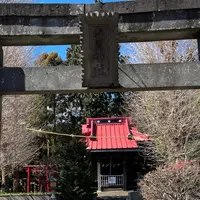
{"x": 171, "y": 117}
{"x": 17, "y": 145}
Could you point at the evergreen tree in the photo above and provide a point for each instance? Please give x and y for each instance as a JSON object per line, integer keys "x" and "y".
{"x": 76, "y": 172}
{"x": 43, "y": 115}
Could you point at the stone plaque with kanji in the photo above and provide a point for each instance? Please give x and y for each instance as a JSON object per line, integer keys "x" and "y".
{"x": 99, "y": 50}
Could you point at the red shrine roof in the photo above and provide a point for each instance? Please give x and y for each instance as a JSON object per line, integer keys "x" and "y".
{"x": 112, "y": 133}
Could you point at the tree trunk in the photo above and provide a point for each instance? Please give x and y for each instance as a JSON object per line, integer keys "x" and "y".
{"x": 16, "y": 182}
{"x": 3, "y": 178}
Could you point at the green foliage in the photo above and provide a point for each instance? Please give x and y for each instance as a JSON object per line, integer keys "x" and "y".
{"x": 76, "y": 173}
{"x": 72, "y": 157}
{"x": 42, "y": 116}
{"x": 51, "y": 59}
{"x": 74, "y": 108}
{"x": 102, "y": 105}
{"x": 73, "y": 55}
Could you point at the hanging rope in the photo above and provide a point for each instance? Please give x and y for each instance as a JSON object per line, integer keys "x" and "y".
{"x": 69, "y": 135}
{"x": 55, "y": 133}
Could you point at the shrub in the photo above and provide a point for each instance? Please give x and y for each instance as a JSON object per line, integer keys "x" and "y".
{"x": 172, "y": 182}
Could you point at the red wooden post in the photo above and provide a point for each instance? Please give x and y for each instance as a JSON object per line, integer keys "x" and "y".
{"x": 47, "y": 180}
{"x": 28, "y": 179}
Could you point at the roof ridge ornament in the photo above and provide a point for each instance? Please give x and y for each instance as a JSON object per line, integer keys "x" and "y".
{"x": 130, "y": 136}
{"x": 99, "y": 49}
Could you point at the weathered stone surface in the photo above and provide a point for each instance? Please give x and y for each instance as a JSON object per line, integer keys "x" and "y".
{"x": 160, "y": 76}
{"x": 99, "y": 47}
{"x": 42, "y": 79}
{"x": 1, "y": 97}
{"x": 131, "y": 27}
{"x": 55, "y": 26}
{"x": 140, "y": 6}
{"x": 154, "y": 26}
{"x": 41, "y": 10}
{"x": 35, "y": 30}
{"x": 60, "y": 10}
{"x": 64, "y": 79}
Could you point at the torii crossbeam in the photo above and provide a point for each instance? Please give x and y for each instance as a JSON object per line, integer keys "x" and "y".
{"x": 52, "y": 24}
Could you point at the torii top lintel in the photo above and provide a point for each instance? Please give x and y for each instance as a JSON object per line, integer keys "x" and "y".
{"x": 53, "y": 24}
{"x": 59, "y": 10}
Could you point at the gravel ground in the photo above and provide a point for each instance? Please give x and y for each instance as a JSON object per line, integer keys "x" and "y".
{"x": 112, "y": 194}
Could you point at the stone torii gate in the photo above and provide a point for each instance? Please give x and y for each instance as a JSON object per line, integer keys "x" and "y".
{"x": 98, "y": 28}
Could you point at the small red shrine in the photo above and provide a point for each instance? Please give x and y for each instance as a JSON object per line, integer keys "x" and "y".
{"x": 115, "y": 146}
{"x": 41, "y": 175}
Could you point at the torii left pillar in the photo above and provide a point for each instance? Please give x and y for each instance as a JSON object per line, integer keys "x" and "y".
{"x": 1, "y": 99}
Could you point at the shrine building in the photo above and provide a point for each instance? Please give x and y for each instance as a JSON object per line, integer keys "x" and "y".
{"x": 115, "y": 144}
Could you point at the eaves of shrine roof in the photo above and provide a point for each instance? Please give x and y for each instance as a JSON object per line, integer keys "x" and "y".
{"x": 112, "y": 134}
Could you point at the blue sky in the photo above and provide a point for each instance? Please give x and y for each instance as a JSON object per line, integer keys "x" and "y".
{"x": 61, "y": 49}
